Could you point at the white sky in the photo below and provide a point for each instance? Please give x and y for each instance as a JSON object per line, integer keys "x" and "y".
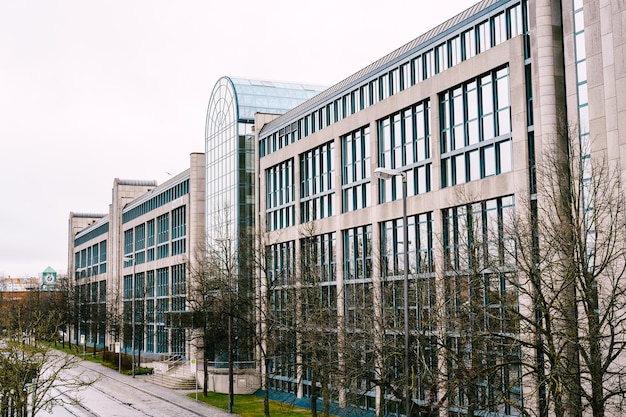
{"x": 91, "y": 91}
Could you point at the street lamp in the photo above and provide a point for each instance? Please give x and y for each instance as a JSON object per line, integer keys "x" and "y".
{"x": 227, "y": 242}
{"x": 385, "y": 174}
{"x": 131, "y": 258}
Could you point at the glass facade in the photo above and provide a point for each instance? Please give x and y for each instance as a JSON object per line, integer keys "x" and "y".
{"x": 230, "y": 148}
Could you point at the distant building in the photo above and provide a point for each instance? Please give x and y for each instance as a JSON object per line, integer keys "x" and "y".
{"x": 17, "y": 292}
{"x": 143, "y": 244}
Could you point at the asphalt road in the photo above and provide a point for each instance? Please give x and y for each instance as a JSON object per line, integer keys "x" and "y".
{"x": 114, "y": 395}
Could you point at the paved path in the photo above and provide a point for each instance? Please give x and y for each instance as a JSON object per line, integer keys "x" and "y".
{"x": 120, "y": 395}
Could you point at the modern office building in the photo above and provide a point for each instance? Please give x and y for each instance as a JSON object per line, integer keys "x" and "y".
{"x": 134, "y": 259}
{"x": 460, "y": 116}
{"x": 369, "y": 197}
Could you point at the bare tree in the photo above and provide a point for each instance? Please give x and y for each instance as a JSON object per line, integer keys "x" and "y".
{"x": 571, "y": 257}
{"x": 35, "y": 377}
{"x": 206, "y": 299}
{"x": 479, "y": 337}
{"x": 29, "y": 368}
{"x": 316, "y": 325}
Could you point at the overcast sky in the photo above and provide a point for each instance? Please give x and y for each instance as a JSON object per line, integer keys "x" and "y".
{"x": 91, "y": 91}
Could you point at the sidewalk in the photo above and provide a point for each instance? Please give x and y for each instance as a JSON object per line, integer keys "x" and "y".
{"x": 178, "y": 397}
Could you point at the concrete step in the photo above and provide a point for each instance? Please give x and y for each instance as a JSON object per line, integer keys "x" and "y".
{"x": 173, "y": 381}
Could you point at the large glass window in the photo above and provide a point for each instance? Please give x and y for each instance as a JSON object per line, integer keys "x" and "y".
{"x": 280, "y": 263}
{"x": 357, "y": 274}
{"x": 475, "y": 121}
{"x": 163, "y": 235}
{"x": 317, "y": 188}
{"x": 179, "y": 282}
{"x": 103, "y": 257}
{"x": 140, "y": 243}
{"x": 357, "y": 252}
{"x": 319, "y": 254}
{"x": 150, "y": 240}
{"x": 356, "y": 171}
{"x": 128, "y": 242}
{"x": 420, "y": 245}
{"x": 179, "y": 230}
{"x": 404, "y": 144}
{"x": 318, "y": 271}
{"x": 280, "y": 195}
{"x": 422, "y": 291}
{"x": 163, "y": 282}
{"x": 280, "y": 269}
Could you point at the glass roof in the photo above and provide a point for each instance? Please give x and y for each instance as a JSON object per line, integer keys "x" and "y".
{"x": 270, "y": 97}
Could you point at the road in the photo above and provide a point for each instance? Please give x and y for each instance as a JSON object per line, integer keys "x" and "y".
{"x": 114, "y": 395}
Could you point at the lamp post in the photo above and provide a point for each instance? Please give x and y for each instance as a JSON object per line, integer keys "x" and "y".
{"x": 385, "y": 174}
{"x": 131, "y": 258}
{"x": 227, "y": 241}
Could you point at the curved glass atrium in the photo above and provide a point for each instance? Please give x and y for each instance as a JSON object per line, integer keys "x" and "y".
{"x": 229, "y": 145}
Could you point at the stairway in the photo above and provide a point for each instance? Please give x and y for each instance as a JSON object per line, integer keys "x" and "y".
{"x": 178, "y": 376}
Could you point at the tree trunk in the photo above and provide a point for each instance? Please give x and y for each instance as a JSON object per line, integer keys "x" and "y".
{"x": 313, "y": 394}
{"x": 205, "y": 343}
{"x": 595, "y": 350}
{"x": 266, "y": 391}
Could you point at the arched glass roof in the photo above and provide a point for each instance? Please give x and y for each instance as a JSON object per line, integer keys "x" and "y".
{"x": 269, "y": 96}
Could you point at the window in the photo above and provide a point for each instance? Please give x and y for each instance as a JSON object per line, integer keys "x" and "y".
{"x": 163, "y": 233}
{"x": 404, "y": 144}
{"x": 318, "y": 253}
{"x": 420, "y": 246}
{"x": 179, "y": 230}
{"x": 179, "y": 286}
{"x": 163, "y": 282}
{"x": 356, "y": 186}
{"x": 441, "y": 58}
{"x": 358, "y": 252}
{"x": 475, "y": 122}
{"x": 128, "y": 242}
{"x": 103, "y": 257}
{"x": 280, "y": 196}
{"x": 317, "y": 183}
{"x": 483, "y": 36}
{"x": 454, "y": 45}
{"x": 499, "y": 28}
{"x": 468, "y": 43}
{"x": 280, "y": 263}
{"x": 318, "y": 268}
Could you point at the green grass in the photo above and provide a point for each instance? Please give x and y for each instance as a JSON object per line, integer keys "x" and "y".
{"x": 77, "y": 350}
{"x": 250, "y": 405}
